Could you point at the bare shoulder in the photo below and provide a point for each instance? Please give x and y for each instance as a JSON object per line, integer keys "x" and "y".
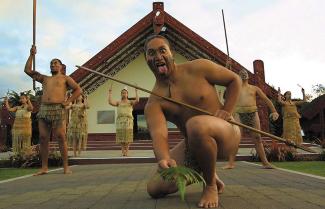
{"x": 68, "y": 79}
{"x": 254, "y": 88}
{"x": 151, "y": 105}
{"x": 198, "y": 66}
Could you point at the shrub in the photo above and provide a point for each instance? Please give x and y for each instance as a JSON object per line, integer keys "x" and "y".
{"x": 31, "y": 157}
{"x": 277, "y": 152}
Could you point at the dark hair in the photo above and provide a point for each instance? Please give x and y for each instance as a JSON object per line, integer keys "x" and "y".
{"x": 22, "y": 94}
{"x": 57, "y": 60}
{"x": 64, "y": 69}
{"x": 149, "y": 38}
{"x": 285, "y": 93}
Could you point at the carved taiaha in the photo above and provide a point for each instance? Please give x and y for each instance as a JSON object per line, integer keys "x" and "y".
{"x": 288, "y": 142}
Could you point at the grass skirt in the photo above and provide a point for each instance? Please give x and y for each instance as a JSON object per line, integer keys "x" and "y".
{"x": 21, "y": 134}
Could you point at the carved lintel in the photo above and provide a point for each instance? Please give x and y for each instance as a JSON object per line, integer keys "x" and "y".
{"x": 158, "y": 19}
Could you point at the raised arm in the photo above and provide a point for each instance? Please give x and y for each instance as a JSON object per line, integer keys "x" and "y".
{"x": 274, "y": 114}
{"x": 136, "y": 97}
{"x": 10, "y": 109}
{"x": 76, "y": 90}
{"x": 29, "y": 105}
{"x": 28, "y": 67}
{"x": 303, "y": 98}
{"x": 280, "y": 97}
{"x": 157, "y": 125}
{"x": 110, "y": 100}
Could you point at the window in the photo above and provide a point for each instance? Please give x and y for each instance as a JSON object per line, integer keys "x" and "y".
{"x": 106, "y": 117}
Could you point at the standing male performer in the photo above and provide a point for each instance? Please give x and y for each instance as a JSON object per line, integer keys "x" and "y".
{"x": 246, "y": 113}
{"x": 52, "y": 114}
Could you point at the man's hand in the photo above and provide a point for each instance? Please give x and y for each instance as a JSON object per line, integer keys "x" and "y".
{"x": 223, "y": 115}
{"x": 274, "y": 116}
{"x": 167, "y": 163}
{"x": 33, "y": 50}
{"x": 64, "y": 104}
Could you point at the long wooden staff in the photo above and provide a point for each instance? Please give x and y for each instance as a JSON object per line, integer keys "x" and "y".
{"x": 34, "y": 37}
{"x": 286, "y": 141}
{"x": 228, "y": 64}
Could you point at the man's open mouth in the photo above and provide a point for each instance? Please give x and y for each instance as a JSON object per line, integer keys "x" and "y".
{"x": 162, "y": 68}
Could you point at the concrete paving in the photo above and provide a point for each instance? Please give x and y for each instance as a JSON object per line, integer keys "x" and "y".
{"x": 123, "y": 186}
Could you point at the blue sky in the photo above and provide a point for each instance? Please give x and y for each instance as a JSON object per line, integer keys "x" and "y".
{"x": 288, "y": 35}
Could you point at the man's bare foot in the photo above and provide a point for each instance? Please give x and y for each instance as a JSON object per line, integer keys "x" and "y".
{"x": 209, "y": 198}
{"x": 67, "y": 171}
{"x": 220, "y": 185}
{"x": 268, "y": 166}
{"x": 228, "y": 166}
{"x": 41, "y": 172}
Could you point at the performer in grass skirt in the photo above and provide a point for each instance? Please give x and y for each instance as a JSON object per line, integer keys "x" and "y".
{"x": 22, "y": 128}
{"x": 124, "y": 120}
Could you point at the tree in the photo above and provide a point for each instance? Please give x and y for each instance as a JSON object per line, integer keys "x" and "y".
{"x": 319, "y": 89}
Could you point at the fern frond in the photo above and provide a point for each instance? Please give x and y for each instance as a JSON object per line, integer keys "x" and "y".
{"x": 182, "y": 176}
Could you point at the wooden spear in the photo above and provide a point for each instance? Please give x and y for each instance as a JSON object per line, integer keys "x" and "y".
{"x": 34, "y": 37}
{"x": 228, "y": 64}
{"x": 286, "y": 141}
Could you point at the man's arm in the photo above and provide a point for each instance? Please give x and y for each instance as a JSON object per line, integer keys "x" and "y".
{"x": 76, "y": 90}
{"x": 219, "y": 75}
{"x": 157, "y": 126}
{"x": 274, "y": 114}
{"x": 28, "y": 67}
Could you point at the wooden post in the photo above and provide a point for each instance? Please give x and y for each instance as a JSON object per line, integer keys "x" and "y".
{"x": 34, "y": 37}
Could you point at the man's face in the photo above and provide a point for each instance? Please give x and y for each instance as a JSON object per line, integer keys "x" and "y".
{"x": 159, "y": 57}
{"x": 55, "y": 66}
{"x": 243, "y": 75}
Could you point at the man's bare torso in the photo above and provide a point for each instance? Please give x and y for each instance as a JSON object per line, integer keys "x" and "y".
{"x": 189, "y": 88}
{"x": 247, "y": 96}
{"x": 54, "y": 89}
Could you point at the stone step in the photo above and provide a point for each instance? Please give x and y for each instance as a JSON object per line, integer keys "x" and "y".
{"x": 121, "y": 160}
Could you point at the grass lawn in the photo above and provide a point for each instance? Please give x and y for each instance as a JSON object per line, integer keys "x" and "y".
{"x": 8, "y": 173}
{"x": 310, "y": 167}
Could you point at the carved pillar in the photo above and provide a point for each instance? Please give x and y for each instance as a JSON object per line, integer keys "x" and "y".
{"x": 1, "y": 129}
{"x": 259, "y": 80}
{"x": 158, "y": 16}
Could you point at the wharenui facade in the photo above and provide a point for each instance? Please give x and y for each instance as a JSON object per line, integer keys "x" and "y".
{"x": 124, "y": 59}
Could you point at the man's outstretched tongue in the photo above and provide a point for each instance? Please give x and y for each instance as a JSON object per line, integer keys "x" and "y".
{"x": 162, "y": 69}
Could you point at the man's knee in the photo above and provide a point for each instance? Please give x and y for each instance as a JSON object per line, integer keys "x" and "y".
{"x": 195, "y": 127}
{"x": 43, "y": 138}
{"x": 60, "y": 136}
{"x": 153, "y": 191}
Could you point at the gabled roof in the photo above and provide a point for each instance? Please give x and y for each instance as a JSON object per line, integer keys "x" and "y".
{"x": 129, "y": 46}
{"x": 314, "y": 108}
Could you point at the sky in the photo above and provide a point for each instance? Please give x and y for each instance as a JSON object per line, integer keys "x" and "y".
{"x": 288, "y": 35}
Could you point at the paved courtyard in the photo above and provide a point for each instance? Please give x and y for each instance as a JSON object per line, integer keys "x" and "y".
{"x": 123, "y": 186}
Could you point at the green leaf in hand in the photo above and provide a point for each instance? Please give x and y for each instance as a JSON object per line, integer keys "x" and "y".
{"x": 182, "y": 176}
